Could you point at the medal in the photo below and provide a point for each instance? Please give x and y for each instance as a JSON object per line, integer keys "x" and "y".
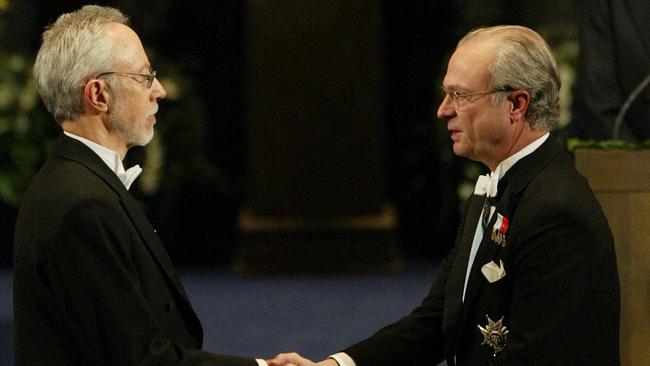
{"x": 500, "y": 230}
{"x": 494, "y": 335}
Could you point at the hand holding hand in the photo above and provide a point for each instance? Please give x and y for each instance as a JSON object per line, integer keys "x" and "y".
{"x": 294, "y": 359}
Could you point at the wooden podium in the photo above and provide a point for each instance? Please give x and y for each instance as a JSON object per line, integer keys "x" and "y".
{"x": 621, "y": 181}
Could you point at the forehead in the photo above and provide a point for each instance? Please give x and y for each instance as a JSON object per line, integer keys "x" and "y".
{"x": 127, "y": 47}
{"x": 468, "y": 66}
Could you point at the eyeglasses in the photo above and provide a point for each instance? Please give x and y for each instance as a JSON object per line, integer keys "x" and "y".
{"x": 148, "y": 77}
{"x": 461, "y": 100}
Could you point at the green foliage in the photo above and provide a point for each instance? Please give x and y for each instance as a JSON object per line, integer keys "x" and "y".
{"x": 574, "y": 143}
{"x": 26, "y": 129}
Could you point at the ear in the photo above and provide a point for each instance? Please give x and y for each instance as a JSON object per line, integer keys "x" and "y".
{"x": 520, "y": 101}
{"x": 97, "y": 95}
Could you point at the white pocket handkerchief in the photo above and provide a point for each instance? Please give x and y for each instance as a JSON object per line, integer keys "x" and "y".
{"x": 493, "y": 272}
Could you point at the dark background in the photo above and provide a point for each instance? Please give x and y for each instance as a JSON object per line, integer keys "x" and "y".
{"x": 204, "y": 132}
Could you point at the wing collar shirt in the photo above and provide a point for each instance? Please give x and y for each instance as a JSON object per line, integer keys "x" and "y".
{"x": 485, "y": 186}
{"x": 112, "y": 159}
{"x": 127, "y": 177}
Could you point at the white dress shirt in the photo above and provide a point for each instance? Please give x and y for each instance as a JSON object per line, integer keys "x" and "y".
{"x": 112, "y": 160}
{"x": 486, "y": 185}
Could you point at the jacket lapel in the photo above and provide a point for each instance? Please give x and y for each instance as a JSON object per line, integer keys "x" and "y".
{"x": 488, "y": 250}
{"x": 152, "y": 241}
{"x": 456, "y": 279}
{"x": 517, "y": 179}
{"x": 74, "y": 150}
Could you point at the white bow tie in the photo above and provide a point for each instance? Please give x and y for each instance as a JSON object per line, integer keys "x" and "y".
{"x": 487, "y": 185}
{"x": 129, "y": 176}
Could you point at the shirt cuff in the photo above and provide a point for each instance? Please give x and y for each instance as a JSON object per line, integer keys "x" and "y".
{"x": 261, "y": 362}
{"x": 343, "y": 359}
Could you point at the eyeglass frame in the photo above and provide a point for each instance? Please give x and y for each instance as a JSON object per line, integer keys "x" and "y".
{"x": 148, "y": 77}
{"x": 454, "y": 95}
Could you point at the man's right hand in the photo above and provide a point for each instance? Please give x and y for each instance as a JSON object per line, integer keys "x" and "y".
{"x": 294, "y": 359}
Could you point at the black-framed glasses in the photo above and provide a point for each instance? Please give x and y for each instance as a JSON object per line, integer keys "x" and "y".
{"x": 461, "y": 100}
{"x": 148, "y": 77}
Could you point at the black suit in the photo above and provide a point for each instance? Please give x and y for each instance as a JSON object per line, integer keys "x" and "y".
{"x": 93, "y": 284}
{"x": 559, "y": 298}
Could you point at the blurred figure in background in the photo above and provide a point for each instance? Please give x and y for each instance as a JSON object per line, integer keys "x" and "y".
{"x": 614, "y": 60}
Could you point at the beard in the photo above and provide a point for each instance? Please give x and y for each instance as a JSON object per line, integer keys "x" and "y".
{"x": 133, "y": 133}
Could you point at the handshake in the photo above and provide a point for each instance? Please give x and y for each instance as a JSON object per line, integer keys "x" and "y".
{"x": 294, "y": 359}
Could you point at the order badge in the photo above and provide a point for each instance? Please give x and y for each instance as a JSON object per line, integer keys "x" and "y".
{"x": 494, "y": 335}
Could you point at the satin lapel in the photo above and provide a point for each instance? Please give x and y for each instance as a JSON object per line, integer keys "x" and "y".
{"x": 456, "y": 279}
{"x": 489, "y": 249}
{"x": 518, "y": 178}
{"x": 150, "y": 238}
{"x": 74, "y": 150}
{"x": 159, "y": 253}
{"x": 459, "y": 268}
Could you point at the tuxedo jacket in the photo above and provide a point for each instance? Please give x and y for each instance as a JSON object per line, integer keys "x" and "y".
{"x": 93, "y": 284}
{"x": 559, "y": 299}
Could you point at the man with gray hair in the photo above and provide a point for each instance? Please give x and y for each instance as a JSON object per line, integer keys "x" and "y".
{"x": 532, "y": 278}
{"x": 93, "y": 284}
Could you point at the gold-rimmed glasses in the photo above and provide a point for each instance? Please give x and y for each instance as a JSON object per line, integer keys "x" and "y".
{"x": 461, "y": 100}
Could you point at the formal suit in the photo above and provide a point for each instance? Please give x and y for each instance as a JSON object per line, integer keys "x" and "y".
{"x": 559, "y": 298}
{"x": 614, "y": 59}
{"x": 93, "y": 284}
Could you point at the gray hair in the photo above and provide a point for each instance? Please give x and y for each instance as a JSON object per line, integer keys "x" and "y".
{"x": 74, "y": 49}
{"x": 524, "y": 61}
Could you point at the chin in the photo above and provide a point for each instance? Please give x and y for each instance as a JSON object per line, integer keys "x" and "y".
{"x": 143, "y": 139}
{"x": 459, "y": 150}
{"x": 147, "y": 139}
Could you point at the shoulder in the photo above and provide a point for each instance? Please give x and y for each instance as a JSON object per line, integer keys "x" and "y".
{"x": 559, "y": 184}
{"x": 63, "y": 193}
{"x": 560, "y": 194}
{"x": 69, "y": 180}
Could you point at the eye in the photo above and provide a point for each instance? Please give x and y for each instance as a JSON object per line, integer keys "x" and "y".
{"x": 450, "y": 93}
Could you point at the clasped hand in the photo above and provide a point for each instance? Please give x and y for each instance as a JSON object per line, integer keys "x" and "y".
{"x": 294, "y": 359}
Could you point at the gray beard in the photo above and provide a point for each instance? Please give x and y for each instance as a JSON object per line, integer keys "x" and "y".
{"x": 131, "y": 133}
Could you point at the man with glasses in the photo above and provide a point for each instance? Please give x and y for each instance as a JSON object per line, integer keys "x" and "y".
{"x": 532, "y": 278}
{"x": 93, "y": 284}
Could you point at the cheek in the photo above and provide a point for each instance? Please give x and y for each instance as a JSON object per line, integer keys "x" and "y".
{"x": 488, "y": 127}
{"x": 473, "y": 127}
{"x": 139, "y": 111}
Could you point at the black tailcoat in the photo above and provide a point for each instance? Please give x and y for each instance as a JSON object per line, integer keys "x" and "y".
{"x": 559, "y": 299}
{"x": 93, "y": 284}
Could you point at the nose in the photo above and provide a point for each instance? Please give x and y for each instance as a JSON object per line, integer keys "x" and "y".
{"x": 446, "y": 110}
{"x": 158, "y": 91}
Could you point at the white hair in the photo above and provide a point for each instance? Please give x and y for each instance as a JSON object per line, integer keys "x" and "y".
{"x": 75, "y": 48}
{"x": 524, "y": 61}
